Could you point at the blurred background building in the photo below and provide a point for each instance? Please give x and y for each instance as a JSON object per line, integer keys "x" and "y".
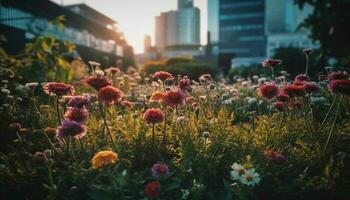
{"x": 245, "y": 32}
{"x": 177, "y": 32}
{"x": 95, "y": 34}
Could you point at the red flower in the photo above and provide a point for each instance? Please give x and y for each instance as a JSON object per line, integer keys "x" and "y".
{"x": 302, "y": 77}
{"x": 271, "y": 62}
{"x": 162, "y": 75}
{"x": 152, "y": 189}
{"x": 77, "y": 114}
{"x": 275, "y": 156}
{"x": 97, "y": 82}
{"x": 279, "y": 105}
{"x": 174, "y": 98}
{"x": 153, "y": 116}
{"x": 269, "y": 90}
{"x": 339, "y": 87}
{"x": 293, "y": 90}
{"x": 110, "y": 95}
{"x": 58, "y": 89}
{"x": 185, "y": 84}
{"x": 282, "y": 97}
{"x": 307, "y": 51}
{"x": 338, "y": 75}
{"x": 160, "y": 170}
{"x": 112, "y": 70}
{"x": 311, "y": 87}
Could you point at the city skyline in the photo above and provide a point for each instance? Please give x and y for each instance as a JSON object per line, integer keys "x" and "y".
{"x": 133, "y": 27}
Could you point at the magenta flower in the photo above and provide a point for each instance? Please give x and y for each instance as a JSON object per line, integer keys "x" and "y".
{"x": 339, "y": 87}
{"x": 71, "y": 128}
{"x": 271, "y": 62}
{"x": 110, "y": 95}
{"x": 269, "y": 90}
{"x": 77, "y": 114}
{"x": 338, "y": 75}
{"x": 160, "y": 170}
{"x": 97, "y": 82}
{"x": 58, "y": 89}
{"x": 153, "y": 116}
{"x": 185, "y": 84}
{"x": 78, "y": 101}
{"x": 302, "y": 77}
{"x": 162, "y": 75}
{"x": 174, "y": 98}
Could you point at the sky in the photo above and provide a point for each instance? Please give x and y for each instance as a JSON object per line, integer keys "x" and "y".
{"x": 136, "y": 18}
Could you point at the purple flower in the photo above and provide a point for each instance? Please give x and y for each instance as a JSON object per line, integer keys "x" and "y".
{"x": 160, "y": 170}
{"x": 185, "y": 84}
{"x": 71, "y": 128}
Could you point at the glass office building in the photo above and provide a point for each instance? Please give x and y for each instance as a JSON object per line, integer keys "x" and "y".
{"x": 241, "y": 31}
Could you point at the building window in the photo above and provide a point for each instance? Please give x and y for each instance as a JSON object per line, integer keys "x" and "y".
{"x": 241, "y": 4}
{"x": 251, "y": 38}
{"x": 242, "y": 27}
{"x": 241, "y": 16}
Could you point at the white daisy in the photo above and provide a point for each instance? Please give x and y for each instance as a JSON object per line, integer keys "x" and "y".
{"x": 237, "y": 171}
{"x": 250, "y": 178}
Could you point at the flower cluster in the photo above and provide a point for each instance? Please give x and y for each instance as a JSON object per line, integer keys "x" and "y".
{"x": 246, "y": 176}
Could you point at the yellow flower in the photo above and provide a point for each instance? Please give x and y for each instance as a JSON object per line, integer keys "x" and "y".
{"x": 157, "y": 97}
{"x": 103, "y": 158}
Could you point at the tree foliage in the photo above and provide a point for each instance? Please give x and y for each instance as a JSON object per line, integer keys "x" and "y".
{"x": 329, "y": 24}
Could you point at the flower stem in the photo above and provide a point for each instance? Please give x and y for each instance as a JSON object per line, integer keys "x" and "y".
{"x": 105, "y": 124}
{"x": 58, "y": 110}
{"x": 164, "y": 132}
{"x": 333, "y": 125}
{"x": 153, "y": 141}
{"x": 329, "y": 111}
{"x": 307, "y": 64}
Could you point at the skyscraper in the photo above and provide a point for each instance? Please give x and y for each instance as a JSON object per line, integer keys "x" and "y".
{"x": 188, "y": 26}
{"x": 184, "y": 4}
{"x": 147, "y": 43}
{"x": 180, "y": 27}
{"x": 241, "y": 32}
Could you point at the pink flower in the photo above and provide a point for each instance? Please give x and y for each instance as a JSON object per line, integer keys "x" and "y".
{"x": 339, "y": 87}
{"x": 110, "y": 95}
{"x": 302, "y": 77}
{"x": 77, "y": 114}
{"x": 185, "y": 84}
{"x": 78, "y": 101}
{"x": 71, "y": 128}
{"x": 58, "y": 89}
{"x": 162, "y": 75}
{"x": 275, "y": 156}
{"x": 174, "y": 98}
{"x": 271, "y": 62}
{"x": 153, "y": 116}
{"x": 338, "y": 75}
{"x": 112, "y": 70}
{"x": 160, "y": 170}
{"x": 97, "y": 82}
{"x": 269, "y": 90}
{"x": 309, "y": 87}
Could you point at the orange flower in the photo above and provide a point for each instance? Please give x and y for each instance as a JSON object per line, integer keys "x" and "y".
{"x": 103, "y": 158}
{"x": 157, "y": 97}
